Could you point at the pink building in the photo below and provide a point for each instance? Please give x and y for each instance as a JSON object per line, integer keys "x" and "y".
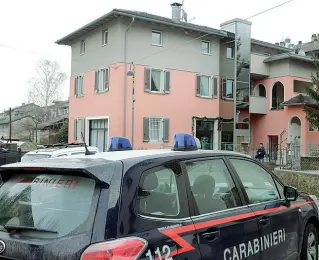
{"x": 184, "y": 82}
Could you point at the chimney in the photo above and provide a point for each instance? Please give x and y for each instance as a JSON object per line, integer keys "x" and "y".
{"x": 314, "y": 37}
{"x": 287, "y": 40}
{"x": 176, "y": 12}
{"x": 300, "y": 42}
{"x": 277, "y": 43}
{"x": 282, "y": 44}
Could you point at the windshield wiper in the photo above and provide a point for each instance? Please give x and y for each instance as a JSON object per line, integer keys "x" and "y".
{"x": 10, "y": 228}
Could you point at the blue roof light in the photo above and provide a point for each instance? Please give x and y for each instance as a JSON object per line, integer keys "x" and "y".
{"x": 119, "y": 144}
{"x": 184, "y": 142}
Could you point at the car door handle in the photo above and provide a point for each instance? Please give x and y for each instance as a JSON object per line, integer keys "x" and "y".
{"x": 264, "y": 221}
{"x": 210, "y": 234}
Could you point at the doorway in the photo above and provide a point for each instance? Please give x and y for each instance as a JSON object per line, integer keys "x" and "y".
{"x": 98, "y": 133}
{"x": 205, "y": 133}
{"x": 273, "y": 147}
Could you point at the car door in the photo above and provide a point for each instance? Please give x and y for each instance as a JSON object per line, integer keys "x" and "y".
{"x": 226, "y": 228}
{"x": 278, "y": 224}
{"x": 154, "y": 207}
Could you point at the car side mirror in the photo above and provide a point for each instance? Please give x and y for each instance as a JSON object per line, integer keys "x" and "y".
{"x": 291, "y": 193}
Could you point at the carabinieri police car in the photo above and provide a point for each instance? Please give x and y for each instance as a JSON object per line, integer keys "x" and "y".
{"x": 183, "y": 203}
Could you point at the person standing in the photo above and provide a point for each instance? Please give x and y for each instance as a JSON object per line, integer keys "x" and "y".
{"x": 260, "y": 156}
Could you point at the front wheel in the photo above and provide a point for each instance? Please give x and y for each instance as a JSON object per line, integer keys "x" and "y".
{"x": 310, "y": 243}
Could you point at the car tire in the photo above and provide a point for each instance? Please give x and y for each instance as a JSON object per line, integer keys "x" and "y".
{"x": 309, "y": 249}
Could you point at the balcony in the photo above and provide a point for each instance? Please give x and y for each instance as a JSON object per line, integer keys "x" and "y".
{"x": 258, "y": 67}
{"x": 258, "y": 105}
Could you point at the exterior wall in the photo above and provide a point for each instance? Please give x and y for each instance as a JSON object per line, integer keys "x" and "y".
{"x": 279, "y": 69}
{"x": 91, "y": 104}
{"x": 257, "y": 64}
{"x": 96, "y": 55}
{"x": 180, "y": 105}
{"x": 301, "y": 69}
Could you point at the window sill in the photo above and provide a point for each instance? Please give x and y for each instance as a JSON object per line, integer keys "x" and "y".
{"x": 230, "y": 99}
{"x": 103, "y": 45}
{"x": 156, "y": 93}
{"x": 101, "y": 92}
{"x": 79, "y": 96}
{"x": 81, "y": 54}
{"x": 230, "y": 58}
{"x": 157, "y": 45}
{"x": 155, "y": 142}
{"x": 205, "y": 97}
{"x": 208, "y": 54}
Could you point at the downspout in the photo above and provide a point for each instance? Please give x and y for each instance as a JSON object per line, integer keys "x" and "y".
{"x": 125, "y": 75}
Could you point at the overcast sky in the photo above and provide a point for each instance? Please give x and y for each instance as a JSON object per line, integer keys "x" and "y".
{"x": 30, "y": 28}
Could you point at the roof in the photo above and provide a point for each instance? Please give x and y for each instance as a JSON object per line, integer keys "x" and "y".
{"x": 115, "y": 13}
{"x": 147, "y": 154}
{"x": 300, "y": 99}
{"x": 56, "y": 150}
{"x": 289, "y": 55}
{"x": 310, "y": 46}
{"x": 56, "y": 120}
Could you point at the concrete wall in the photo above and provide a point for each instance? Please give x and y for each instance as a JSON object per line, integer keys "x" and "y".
{"x": 279, "y": 69}
{"x": 257, "y": 64}
{"x": 301, "y": 69}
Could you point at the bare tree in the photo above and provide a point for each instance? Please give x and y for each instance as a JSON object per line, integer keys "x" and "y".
{"x": 45, "y": 86}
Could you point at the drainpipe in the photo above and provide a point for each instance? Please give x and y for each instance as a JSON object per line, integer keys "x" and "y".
{"x": 125, "y": 74}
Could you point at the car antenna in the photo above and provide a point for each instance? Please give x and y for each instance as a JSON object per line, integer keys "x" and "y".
{"x": 87, "y": 152}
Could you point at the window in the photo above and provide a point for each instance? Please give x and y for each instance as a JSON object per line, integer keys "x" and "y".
{"x": 156, "y": 129}
{"x": 98, "y": 133}
{"x": 228, "y": 88}
{"x": 104, "y": 37}
{"x": 230, "y": 53}
{"x": 82, "y": 49}
{"x": 79, "y": 86}
{"x": 158, "y": 194}
{"x": 157, "y": 38}
{"x": 206, "y": 86}
{"x": 101, "y": 80}
{"x": 205, "y": 47}
{"x": 78, "y": 129}
{"x": 157, "y": 81}
{"x": 212, "y": 186}
{"x": 258, "y": 183}
{"x": 65, "y": 111}
{"x": 62, "y": 205}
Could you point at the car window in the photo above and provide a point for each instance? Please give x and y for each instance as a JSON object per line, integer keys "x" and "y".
{"x": 158, "y": 194}
{"x": 212, "y": 186}
{"x": 280, "y": 188}
{"x": 46, "y": 201}
{"x": 258, "y": 183}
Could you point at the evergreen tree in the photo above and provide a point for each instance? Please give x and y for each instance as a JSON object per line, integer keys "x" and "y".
{"x": 312, "y": 113}
{"x": 62, "y": 135}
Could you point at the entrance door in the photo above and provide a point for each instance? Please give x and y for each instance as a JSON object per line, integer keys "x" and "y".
{"x": 98, "y": 132}
{"x": 205, "y": 133}
{"x": 273, "y": 147}
{"x": 240, "y": 140}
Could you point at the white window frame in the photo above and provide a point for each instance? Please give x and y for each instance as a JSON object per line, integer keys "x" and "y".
{"x": 100, "y": 84}
{"x": 79, "y": 86}
{"x": 87, "y": 127}
{"x": 104, "y": 39}
{"x": 233, "y": 52}
{"x": 78, "y": 130}
{"x": 161, "y": 34}
{"x": 161, "y": 130}
{"x": 82, "y": 47}
{"x": 211, "y": 93}
{"x": 162, "y": 81}
{"x": 209, "y": 47}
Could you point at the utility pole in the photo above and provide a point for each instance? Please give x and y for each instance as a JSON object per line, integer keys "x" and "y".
{"x": 133, "y": 102}
{"x": 10, "y": 126}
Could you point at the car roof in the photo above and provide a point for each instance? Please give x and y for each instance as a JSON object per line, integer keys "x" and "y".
{"x": 57, "y": 150}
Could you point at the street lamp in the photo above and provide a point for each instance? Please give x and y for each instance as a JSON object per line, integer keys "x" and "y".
{"x": 131, "y": 73}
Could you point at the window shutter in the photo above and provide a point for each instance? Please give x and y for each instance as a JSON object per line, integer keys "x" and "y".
{"x": 75, "y": 130}
{"x": 146, "y": 129}
{"x": 167, "y": 81}
{"x": 166, "y": 130}
{"x": 197, "y": 85}
{"x": 223, "y": 82}
{"x": 96, "y": 81}
{"x": 75, "y": 85}
{"x": 107, "y": 79}
{"x": 147, "y": 79}
{"x": 215, "y": 87}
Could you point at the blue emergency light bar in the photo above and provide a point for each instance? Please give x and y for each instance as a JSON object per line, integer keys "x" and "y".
{"x": 184, "y": 142}
{"x": 119, "y": 144}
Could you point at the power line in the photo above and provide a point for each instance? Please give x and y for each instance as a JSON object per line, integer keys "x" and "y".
{"x": 197, "y": 38}
{"x": 24, "y": 50}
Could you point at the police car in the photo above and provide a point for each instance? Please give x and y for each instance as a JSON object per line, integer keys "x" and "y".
{"x": 182, "y": 203}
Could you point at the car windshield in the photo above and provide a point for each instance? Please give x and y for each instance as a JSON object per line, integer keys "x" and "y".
{"x": 32, "y": 157}
{"x": 56, "y": 203}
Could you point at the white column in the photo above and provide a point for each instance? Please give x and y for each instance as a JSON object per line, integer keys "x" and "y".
{"x": 216, "y": 136}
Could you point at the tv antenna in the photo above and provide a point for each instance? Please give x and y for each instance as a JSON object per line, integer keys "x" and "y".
{"x": 184, "y": 14}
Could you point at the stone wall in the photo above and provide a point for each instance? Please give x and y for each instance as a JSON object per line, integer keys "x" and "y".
{"x": 306, "y": 182}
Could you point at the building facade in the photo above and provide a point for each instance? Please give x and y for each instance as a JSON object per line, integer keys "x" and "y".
{"x": 187, "y": 78}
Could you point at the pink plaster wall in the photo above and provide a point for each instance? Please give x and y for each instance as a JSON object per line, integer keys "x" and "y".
{"x": 179, "y": 106}
{"x": 276, "y": 121}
